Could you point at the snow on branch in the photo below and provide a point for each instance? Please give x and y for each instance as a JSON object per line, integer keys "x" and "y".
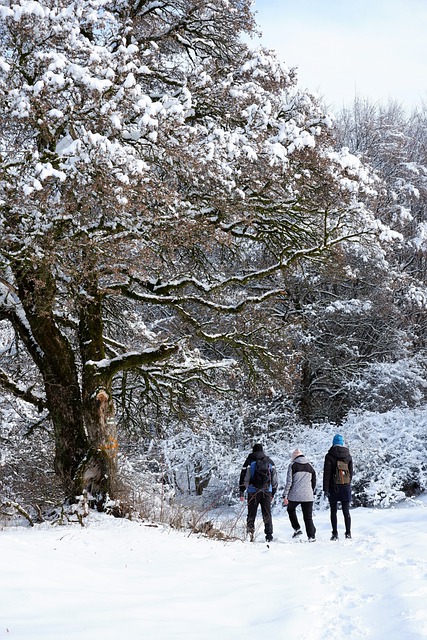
{"x": 21, "y": 391}
{"x": 133, "y": 360}
{"x": 12, "y": 309}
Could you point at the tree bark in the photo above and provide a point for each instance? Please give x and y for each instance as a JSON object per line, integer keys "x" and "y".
{"x": 98, "y": 474}
{"x": 55, "y": 359}
{"x": 82, "y": 414}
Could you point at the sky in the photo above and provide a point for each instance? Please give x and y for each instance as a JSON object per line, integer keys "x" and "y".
{"x": 116, "y": 578}
{"x": 375, "y": 49}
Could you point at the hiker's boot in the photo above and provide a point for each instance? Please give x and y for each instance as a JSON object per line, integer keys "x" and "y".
{"x": 348, "y": 536}
{"x": 334, "y": 536}
{"x": 297, "y": 533}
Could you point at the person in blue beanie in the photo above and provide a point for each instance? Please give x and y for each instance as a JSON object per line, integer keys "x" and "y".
{"x": 337, "y": 477}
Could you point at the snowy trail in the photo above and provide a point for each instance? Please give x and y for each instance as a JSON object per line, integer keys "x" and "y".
{"x": 116, "y": 579}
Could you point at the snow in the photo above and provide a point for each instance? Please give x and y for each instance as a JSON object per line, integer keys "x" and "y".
{"x": 117, "y": 578}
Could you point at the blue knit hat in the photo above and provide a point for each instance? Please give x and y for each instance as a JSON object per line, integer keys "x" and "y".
{"x": 339, "y": 440}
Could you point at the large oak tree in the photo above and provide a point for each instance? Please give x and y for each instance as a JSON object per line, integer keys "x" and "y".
{"x": 158, "y": 178}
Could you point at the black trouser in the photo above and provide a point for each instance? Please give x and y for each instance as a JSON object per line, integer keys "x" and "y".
{"x": 307, "y": 514}
{"x": 346, "y": 513}
{"x": 262, "y": 498}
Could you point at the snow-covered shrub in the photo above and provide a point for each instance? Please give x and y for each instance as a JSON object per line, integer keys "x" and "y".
{"x": 390, "y": 452}
{"x": 385, "y": 385}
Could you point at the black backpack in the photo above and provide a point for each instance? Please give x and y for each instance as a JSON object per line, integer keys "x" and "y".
{"x": 261, "y": 473}
{"x": 342, "y": 473}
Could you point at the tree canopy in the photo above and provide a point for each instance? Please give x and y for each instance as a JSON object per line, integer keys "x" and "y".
{"x": 159, "y": 181}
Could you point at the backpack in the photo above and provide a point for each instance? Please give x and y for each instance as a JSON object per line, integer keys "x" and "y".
{"x": 342, "y": 473}
{"x": 260, "y": 473}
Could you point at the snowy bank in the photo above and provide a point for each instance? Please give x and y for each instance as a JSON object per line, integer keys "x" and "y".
{"x": 122, "y": 579}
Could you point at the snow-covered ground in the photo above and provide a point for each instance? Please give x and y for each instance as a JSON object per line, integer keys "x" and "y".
{"x": 122, "y": 580}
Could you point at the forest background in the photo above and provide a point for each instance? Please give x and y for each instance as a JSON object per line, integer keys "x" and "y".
{"x": 196, "y": 256}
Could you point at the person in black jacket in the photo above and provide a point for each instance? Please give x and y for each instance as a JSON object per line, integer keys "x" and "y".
{"x": 258, "y": 492}
{"x": 338, "y": 492}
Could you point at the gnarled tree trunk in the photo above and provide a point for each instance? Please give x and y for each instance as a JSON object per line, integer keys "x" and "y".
{"x": 82, "y": 414}
{"x": 55, "y": 360}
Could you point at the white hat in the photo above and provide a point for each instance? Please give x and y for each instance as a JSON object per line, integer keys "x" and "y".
{"x": 296, "y": 453}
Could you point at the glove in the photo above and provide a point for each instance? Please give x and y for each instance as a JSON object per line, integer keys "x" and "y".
{"x": 327, "y": 494}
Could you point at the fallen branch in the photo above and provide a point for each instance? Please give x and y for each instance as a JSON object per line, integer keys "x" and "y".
{"x": 14, "y": 505}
